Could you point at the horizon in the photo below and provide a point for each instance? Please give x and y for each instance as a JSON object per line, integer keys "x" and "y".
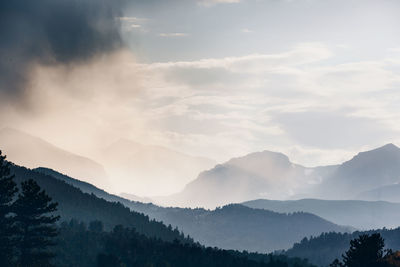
{"x": 201, "y": 133}
{"x": 16, "y": 158}
{"x": 272, "y": 80}
{"x": 196, "y": 83}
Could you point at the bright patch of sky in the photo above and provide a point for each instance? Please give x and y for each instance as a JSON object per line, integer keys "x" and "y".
{"x": 315, "y": 79}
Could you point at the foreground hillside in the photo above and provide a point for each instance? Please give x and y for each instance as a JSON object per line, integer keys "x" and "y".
{"x": 74, "y": 204}
{"x": 362, "y": 215}
{"x": 31, "y": 236}
{"x": 126, "y": 247}
{"x": 230, "y": 227}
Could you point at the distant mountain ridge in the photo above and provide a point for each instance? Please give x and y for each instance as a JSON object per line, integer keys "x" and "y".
{"x": 132, "y": 167}
{"x": 365, "y": 171}
{"x": 33, "y": 152}
{"x": 242, "y": 228}
{"x": 271, "y": 175}
{"x": 257, "y": 175}
{"x": 363, "y": 215}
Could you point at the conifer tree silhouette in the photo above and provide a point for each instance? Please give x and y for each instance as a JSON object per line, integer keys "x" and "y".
{"x": 35, "y": 223}
{"x": 8, "y": 189}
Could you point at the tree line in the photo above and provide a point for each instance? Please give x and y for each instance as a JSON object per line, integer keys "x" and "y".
{"x": 27, "y": 225}
{"x": 323, "y": 249}
{"x": 88, "y": 245}
{"x": 29, "y": 236}
{"x": 368, "y": 251}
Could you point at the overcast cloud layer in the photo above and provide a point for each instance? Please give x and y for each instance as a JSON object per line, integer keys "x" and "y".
{"x": 53, "y": 32}
{"x": 317, "y": 80}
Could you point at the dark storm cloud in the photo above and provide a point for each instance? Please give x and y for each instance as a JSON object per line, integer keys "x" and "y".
{"x": 51, "y": 32}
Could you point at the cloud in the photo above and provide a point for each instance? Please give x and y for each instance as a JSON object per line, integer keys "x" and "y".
{"x": 173, "y": 34}
{"x": 245, "y": 30}
{"x": 209, "y": 3}
{"x": 301, "y": 54}
{"x": 53, "y": 32}
{"x": 333, "y": 130}
{"x": 304, "y": 97}
{"x": 217, "y": 107}
{"x": 83, "y": 105}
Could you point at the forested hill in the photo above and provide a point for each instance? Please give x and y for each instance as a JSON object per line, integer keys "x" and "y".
{"x": 74, "y": 204}
{"x": 238, "y": 227}
{"x": 126, "y": 247}
{"x": 229, "y": 227}
{"x": 323, "y": 249}
{"x": 86, "y": 187}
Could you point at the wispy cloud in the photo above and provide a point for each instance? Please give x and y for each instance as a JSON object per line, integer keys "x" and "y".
{"x": 245, "y": 30}
{"x": 173, "y": 34}
{"x": 131, "y": 19}
{"x": 225, "y": 107}
{"x": 268, "y": 99}
{"x": 209, "y": 3}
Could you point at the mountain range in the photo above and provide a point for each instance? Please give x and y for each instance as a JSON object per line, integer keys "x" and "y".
{"x": 364, "y": 172}
{"x": 363, "y": 215}
{"x": 258, "y": 175}
{"x": 136, "y": 168}
{"x": 30, "y": 151}
{"x": 230, "y": 227}
{"x": 133, "y": 168}
{"x": 369, "y": 175}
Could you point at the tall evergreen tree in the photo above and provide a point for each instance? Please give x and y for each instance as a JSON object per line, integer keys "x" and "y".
{"x": 8, "y": 189}
{"x": 365, "y": 251}
{"x": 36, "y": 225}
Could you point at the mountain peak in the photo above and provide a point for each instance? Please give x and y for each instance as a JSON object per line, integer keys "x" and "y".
{"x": 262, "y": 156}
{"x": 389, "y": 147}
{"x": 388, "y": 150}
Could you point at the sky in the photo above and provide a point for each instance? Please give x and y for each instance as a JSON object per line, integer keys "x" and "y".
{"x": 315, "y": 79}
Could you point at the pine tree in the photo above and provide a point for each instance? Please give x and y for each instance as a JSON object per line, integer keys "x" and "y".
{"x": 8, "y": 189}
{"x": 36, "y": 227}
{"x": 365, "y": 251}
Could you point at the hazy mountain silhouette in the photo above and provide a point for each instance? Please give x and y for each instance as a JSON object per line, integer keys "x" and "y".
{"x": 233, "y": 226}
{"x": 365, "y": 171}
{"x": 135, "y": 198}
{"x": 258, "y": 175}
{"x": 362, "y": 215}
{"x": 271, "y": 175}
{"x": 150, "y": 168}
{"x": 32, "y": 152}
{"x": 389, "y": 192}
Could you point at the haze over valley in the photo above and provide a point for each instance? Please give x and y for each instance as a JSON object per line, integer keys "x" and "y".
{"x": 201, "y": 133}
